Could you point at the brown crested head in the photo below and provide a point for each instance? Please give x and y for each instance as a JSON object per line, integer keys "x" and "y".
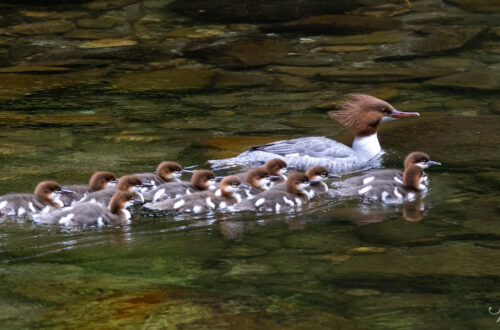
{"x": 420, "y": 159}
{"x": 99, "y": 180}
{"x": 296, "y": 182}
{"x": 416, "y": 157}
{"x": 317, "y": 173}
{"x": 275, "y": 166}
{"x": 169, "y": 170}
{"x": 258, "y": 178}
{"x": 127, "y": 182}
{"x": 44, "y": 190}
{"x": 229, "y": 184}
{"x": 203, "y": 179}
{"x": 412, "y": 177}
{"x": 119, "y": 201}
{"x": 362, "y": 113}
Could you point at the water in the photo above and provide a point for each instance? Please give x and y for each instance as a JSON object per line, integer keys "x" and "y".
{"x": 337, "y": 264}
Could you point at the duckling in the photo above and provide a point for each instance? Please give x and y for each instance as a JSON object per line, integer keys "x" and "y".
{"x": 276, "y": 200}
{"x": 316, "y": 174}
{"x": 47, "y": 196}
{"x": 203, "y": 201}
{"x": 91, "y": 213}
{"x": 130, "y": 183}
{"x": 416, "y": 158}
{"x": 388, "y": 190}
{"x": 166, "y": 171}
{"x": 201, "y": 180}
{"x": 98, "y": 181}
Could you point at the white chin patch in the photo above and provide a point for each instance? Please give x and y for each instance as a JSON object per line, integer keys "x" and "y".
{"x": 176, "y": 175}
{"x": 231, "y": 189}
{"x": 282, "y": 172}
{"x": 303, "y": 186}
{"x": 211, "y": 185}
{"x": 264, "y": 184}
{"x": 386, "y": 119}
{"x": 56, "y": 198}
{"x": 424, "y": 166}
{"x": 110, "y": 184}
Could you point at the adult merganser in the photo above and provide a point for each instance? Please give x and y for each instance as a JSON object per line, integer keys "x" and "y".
{"x": 166, "y": 171}
{"x": 276, "y": 200}
{"x": 203, "y": 201}
{"x": 201, "y": 180}
{"x": 98, "y": 180}
{"x": 387, "y": 186}
{"x": 92, "y": 213}
{"x": 130, "y": 183}
{"x": 361, "y": 113}
{"x": 47, "y": 196}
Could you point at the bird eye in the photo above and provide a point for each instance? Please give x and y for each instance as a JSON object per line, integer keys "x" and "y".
{"x": 235, "y": 185}
{"x": 385, "y": 110}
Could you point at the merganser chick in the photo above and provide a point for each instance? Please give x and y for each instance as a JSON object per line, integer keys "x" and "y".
{"x": 47, "y": 196}
{"x": 361, "y": 114}
{"x": 92, "y": 213}
{"x": 417, "y": 158}
{"x": 316, "y": 174}
{"x": 276, "y": 169}
{"x": 166, "y": 171}
{"x": 259, "y": 180}
{"x": 276, "y": 200}
{"x": 389, "y": 190}
{"x": 203, "y": 201}
{"x": 98, "y": 181}
{"x": 130, "y": 183}
{"x": 201, "y": 180}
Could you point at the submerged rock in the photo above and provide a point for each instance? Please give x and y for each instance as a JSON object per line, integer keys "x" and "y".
{"x": 258, "y": 10}
{"x": 228, "y": 79}
{"x": 109, "y": 4}
{"x": 32, "y": 68}
{"x": 376, "y": 74}
{"x": 47, "y": 27}
{"x": 92, "y": 34}
{"x": 164, "y": 80}
{"x": 379, "y": 37}
{"x": 242, "y": 52}
{"x": 104, "y": 43}
{"x": 484, "y": 6}
{"x": 335, "y": 24}
{"x": 100, "y": 23}
{"x": 446, "y": 38}
{"x": 481, "y": 79}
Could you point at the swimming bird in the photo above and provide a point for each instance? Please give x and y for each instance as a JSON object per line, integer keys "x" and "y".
{"x": 98, "y": 180}
{"x": 361, "y": 114}
{"x": 92, "y": 213}
{"x": 276, "y": 200}
{"x": 47, "y": 196}
{"x": 203, "y": 201}
{"x": 201, "y": 180}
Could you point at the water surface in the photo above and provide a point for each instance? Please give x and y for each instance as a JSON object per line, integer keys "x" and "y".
{"x": 190, "y": 89}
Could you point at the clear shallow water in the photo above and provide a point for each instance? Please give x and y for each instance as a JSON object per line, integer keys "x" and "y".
{"x": 337, "y": 264}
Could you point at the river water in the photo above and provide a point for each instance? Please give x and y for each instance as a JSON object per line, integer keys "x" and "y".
{"x": 122, "y": 85}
